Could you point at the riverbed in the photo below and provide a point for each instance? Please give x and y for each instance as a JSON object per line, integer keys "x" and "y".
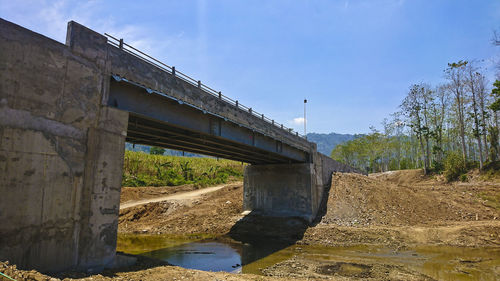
{"x": 274, "y": 258}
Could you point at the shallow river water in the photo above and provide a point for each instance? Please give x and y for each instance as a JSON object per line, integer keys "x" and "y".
{"x": 223, "y": 254}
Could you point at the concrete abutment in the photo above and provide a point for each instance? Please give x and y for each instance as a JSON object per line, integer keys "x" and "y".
{"x": 295, "y": 190}
{"x": 61, "y": 151}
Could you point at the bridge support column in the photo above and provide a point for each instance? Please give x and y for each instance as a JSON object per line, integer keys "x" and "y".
{"x": 61, "y": 151}
{"x": 289, "y": 190}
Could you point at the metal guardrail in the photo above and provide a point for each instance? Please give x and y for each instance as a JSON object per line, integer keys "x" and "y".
{"x": 197, "y": 83}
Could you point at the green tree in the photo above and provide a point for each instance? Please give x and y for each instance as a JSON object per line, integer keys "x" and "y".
{"x": 156, "y": 150}
{"x": 495, "y": 93}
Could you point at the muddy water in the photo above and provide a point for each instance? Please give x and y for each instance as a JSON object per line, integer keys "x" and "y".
{"x": 223, "y": 254}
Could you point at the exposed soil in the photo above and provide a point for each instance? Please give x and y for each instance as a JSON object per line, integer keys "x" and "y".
{"x": 394, "y": 209}
{"x": 212, "y": 213}
{"x": 194, "y": 194}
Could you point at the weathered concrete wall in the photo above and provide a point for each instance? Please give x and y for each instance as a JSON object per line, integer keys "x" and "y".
{"x": 279, "y": 190}
{"x": 290, "y": 189}
{"x": 60, "y": 193}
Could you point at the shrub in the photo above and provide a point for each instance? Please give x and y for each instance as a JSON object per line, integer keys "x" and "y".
{"x": 437, "y": 166}
{"x": 156, "y": 150}
{"x": 454, "y": 166}
{"x": 463, "y": 178}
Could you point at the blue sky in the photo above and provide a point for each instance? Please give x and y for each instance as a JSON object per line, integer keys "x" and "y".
{"x": 353, "y": 60}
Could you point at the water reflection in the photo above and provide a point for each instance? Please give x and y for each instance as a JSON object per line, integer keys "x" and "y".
{"x": 210, "y": 255}
{"x": 225, "y": 254}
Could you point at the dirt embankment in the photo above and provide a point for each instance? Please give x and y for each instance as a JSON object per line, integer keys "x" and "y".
{"x": 212, "y": 213}
{"x": 404, "y": 207}
{"x": 393, "y": 208}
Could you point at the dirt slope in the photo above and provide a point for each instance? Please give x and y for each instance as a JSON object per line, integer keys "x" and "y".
{"x": 194, "y": 194}
{"x": 212, "y": 213}
{"x": 393, "y": 208}
{"x": 403, "y": 198}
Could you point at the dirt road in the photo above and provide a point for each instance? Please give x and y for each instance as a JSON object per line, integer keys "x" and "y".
{"x": 177, "y": 196}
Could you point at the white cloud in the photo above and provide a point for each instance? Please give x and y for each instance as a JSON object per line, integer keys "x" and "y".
{"x": 298, "y": 121}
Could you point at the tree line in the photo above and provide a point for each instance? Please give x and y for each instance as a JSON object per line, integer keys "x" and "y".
{"x": 456, "y": 121}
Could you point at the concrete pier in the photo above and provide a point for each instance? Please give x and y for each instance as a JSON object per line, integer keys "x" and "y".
{"x": 290, "y": 190}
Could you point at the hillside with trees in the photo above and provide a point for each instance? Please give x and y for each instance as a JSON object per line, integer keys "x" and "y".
{"x": 452, "y": 125}
{"x": 327, "y": 142}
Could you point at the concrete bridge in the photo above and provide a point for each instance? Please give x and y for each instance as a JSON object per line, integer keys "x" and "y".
{"x": 66, "y": 111}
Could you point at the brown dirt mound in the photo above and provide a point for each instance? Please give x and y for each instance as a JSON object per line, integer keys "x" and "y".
{"x": 214, "y": 213}
{"x": 357, "y": 200}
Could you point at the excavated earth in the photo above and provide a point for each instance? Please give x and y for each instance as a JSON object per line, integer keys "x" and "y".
{"x": 397, "y": 210}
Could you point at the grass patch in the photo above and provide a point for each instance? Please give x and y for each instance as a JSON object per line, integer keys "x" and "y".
{"x": 491, "y": 200}
{"x": 491, "y": 170}
{"x": 141, "y": 169}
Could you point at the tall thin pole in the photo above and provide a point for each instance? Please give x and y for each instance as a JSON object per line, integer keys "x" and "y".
{"x": 305, "y": 132}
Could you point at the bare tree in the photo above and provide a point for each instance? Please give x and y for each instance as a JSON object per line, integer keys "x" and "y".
{"x": 415, "y": 107}
{"x": 439, "y": 106}
{"x": 482, "y": 94}
{"x": 455, "y": 73}
{"x": 472, "y": 81}
{"x": 496, "y": 38}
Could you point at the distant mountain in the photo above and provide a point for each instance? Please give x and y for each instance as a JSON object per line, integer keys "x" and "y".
{"x": 327, "y": 142}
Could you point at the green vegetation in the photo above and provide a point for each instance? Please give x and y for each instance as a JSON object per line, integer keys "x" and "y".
{"x": 491, "y": 200}
{"x": 454, "y": 167}
{"x": 327, "y": 142}
{"x": 156, "y": 150}
{"x": 141, "y": 169}
{"x": 448, "y": 128}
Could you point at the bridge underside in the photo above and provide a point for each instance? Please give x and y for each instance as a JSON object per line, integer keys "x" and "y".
{"x": 143, "y": 130}
{"x": 163, "y": 121}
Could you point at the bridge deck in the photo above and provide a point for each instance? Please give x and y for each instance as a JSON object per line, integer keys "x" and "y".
{"x": 167, "y": 110}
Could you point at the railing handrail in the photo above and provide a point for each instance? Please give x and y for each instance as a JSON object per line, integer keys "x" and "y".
{"x": 119, "y": 43}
